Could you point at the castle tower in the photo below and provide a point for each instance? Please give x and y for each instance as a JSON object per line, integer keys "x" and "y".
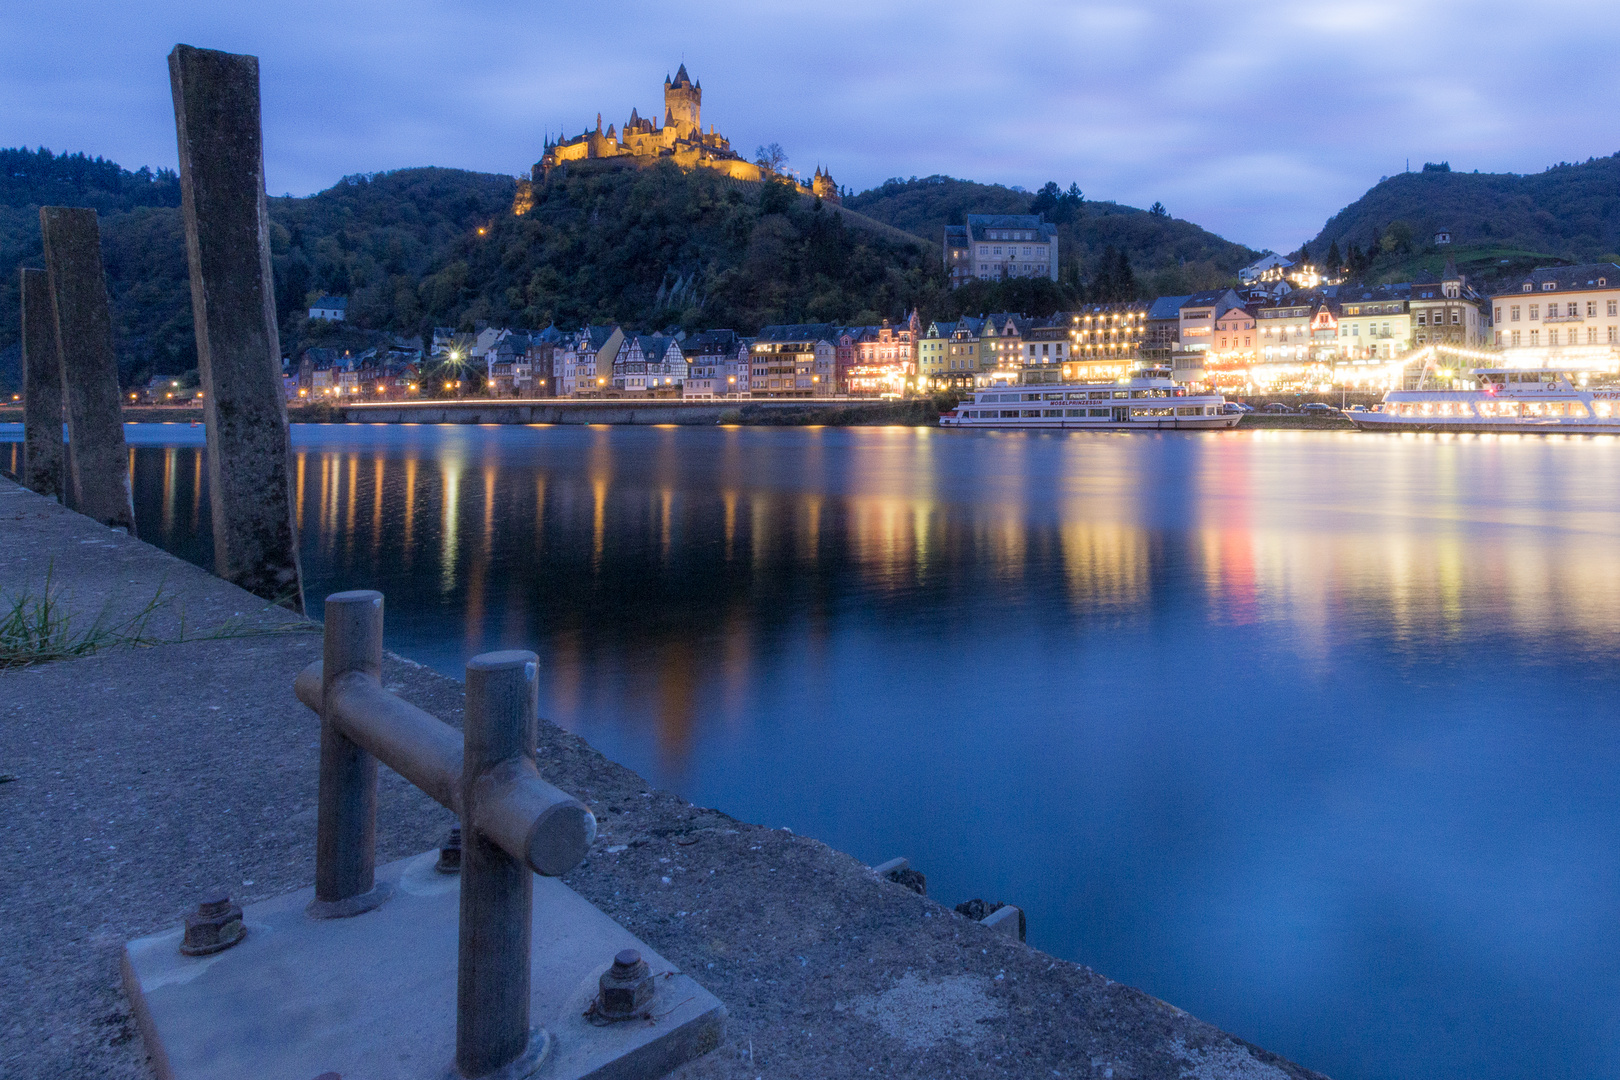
{"x": 823, "y": 187}
{"x": 683, "y": 105}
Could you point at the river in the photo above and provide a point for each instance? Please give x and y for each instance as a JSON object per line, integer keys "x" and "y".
{"x": 1311, "y": 734}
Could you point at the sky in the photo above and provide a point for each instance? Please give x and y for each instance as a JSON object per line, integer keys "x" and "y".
{"x": 1256, "y": 121}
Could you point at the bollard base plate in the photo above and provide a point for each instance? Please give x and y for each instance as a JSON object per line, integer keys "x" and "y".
{"x": 374, "y": 997}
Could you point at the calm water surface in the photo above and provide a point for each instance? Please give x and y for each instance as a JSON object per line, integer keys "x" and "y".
{"x": 1310, "y": 734}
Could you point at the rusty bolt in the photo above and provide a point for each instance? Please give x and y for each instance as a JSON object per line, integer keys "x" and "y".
{"x": 450, "y": 854}
{"x": 627, "y": 986}
{"x": 216, "y": 925}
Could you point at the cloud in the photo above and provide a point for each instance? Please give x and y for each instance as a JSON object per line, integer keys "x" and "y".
{"x": 1258, "y": 123}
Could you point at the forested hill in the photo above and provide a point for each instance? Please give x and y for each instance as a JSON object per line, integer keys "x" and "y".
{"x": 365, "y": 235}
{"x": 1569, "y": 212}
{"x": 420, "y": 248}
{"x": 1169, "y": 256}
{"x": 649, "y": 248}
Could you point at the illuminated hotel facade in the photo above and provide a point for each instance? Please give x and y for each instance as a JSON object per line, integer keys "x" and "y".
{"x": 1566, "y": 316}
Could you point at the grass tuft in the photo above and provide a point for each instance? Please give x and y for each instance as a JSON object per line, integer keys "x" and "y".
{"x": 36, "y": 628}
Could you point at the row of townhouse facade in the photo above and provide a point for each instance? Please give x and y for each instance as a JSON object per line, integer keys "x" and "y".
{"x": 1262, "y": 336}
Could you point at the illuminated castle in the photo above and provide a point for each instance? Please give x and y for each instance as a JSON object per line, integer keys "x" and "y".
{"x": 680, "y": 138}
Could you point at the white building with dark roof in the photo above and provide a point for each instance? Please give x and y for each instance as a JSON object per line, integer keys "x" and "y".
{"x": 995, "y": 246}
{"x": 330, "y": 308}
{"x": 1560, "y": 315}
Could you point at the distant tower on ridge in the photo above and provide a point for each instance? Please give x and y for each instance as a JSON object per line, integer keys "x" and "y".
{"x": 683, "y": 105}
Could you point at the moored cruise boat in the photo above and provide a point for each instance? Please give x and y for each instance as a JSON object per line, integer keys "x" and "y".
{"x": 1502, "y": 399}
{"x": 1150, "y": 402}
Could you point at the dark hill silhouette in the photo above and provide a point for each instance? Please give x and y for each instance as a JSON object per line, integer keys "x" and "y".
{"x": 1570, "y": 211}
{"x": 1168, "y": 255}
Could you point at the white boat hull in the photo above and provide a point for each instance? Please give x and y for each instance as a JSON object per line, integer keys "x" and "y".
{"x": 1156, "y": 423}
{"x": 1524, "y": 425}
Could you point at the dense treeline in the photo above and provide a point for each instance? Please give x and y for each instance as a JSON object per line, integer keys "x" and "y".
{"x": 1569, "y": 212}
{"x": 142, "y": 243}
{"x": 659, "y": 246}
{"x": 1167, "y": 256}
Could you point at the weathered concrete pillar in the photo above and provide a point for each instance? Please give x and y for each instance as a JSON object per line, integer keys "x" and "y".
{"x": 97, "y": 460}
{"x": 216, "y": 115}
{"x": 42, "y": 388}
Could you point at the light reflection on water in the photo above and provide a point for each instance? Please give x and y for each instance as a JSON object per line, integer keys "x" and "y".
{"x": 1310, "y": 734}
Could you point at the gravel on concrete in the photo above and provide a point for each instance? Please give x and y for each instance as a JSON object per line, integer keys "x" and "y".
{"x": 141, "y": 777}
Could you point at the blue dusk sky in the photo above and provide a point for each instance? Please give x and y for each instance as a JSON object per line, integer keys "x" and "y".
{"x": 1257, "y": 121}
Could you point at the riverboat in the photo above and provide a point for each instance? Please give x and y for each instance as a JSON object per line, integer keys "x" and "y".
{"x": 1501, "y": 399}
{"x": 1150, "y": 401}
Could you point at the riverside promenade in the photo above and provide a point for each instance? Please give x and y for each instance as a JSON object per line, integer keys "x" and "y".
{"x": 143, "y": 775}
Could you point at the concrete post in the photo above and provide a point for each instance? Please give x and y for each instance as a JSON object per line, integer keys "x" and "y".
{"x": 97, "y": 460}
{"x": 216, "y": 115}
{"x": 42, "y": 388}
{"x": 346, "y": 805}
{"x": 497, "y": 891}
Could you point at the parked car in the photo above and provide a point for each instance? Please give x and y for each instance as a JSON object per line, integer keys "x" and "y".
{"x": 1317, "y": 408}
{"x": 1356, "y": 408}
{"x": 1277, "y": 407}
{"x": 1237, "y": 408}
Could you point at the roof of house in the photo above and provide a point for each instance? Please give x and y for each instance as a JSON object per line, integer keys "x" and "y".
{"x": 711, "y": 342}
{"x": 1207, "y": 298}
{"x": 1008, "y": 221}
{"x": 1167, "y": 307}
{"x": 1350, "y": 294}
{"x": 827, "y": 332}
{"x": 334, "y": 303}
{"x": 1604, "y": 275}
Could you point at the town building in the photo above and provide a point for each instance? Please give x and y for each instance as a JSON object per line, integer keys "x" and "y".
{"x": 717, "y": 364}
{"x": 1196, "y": 320}
{"x": 508, "y": 371}
{"x": 796, "y": 360}
{"x": 650, "y": 365}
{"x": 962, "y": 354}
{"x": 330, "y": 308}
{"x": 1448, "y": 312}
{"x": 1001, "y": 348}
{"x": 991, "y": 247}
{"x": 1269, "y": 267}
{"x": 931, "y": 358}
{"x": 1162, "y": 338}
{"x": 587, "y": 360}
{"x": 1108, "y": 341}
{"x": 884, "y": 358}
{"x": 1047, "y": 344}
{"x": 1567, "y": 315}
{"x": 1281, "y": 331}
{"x": 1375, "y": 322}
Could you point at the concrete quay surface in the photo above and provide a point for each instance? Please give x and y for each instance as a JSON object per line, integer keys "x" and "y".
{"x": 142, "y": 776}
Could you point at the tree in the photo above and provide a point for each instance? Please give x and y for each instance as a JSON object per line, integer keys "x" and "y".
{"x": 1397, "y": 239}
{"x": 1058, "y": 205}
{"x": 1047, "y": 199}
{"x": 1158, "y": 210}
{"x": 1115, "y": 281}
{"x": 1334, "y": 260}
{"x": 771, "y": 157}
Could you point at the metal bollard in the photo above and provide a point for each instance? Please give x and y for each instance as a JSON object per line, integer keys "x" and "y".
{"x": 346, "y": 836}
{"x": 497, "y": 891}
{"x": 513, "y": 823}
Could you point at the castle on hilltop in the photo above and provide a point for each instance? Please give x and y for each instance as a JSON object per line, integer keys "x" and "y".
{"x": 680, "y": 138}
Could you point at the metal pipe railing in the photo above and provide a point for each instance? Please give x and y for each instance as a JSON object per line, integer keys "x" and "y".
{"x": 512, "y": 821}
